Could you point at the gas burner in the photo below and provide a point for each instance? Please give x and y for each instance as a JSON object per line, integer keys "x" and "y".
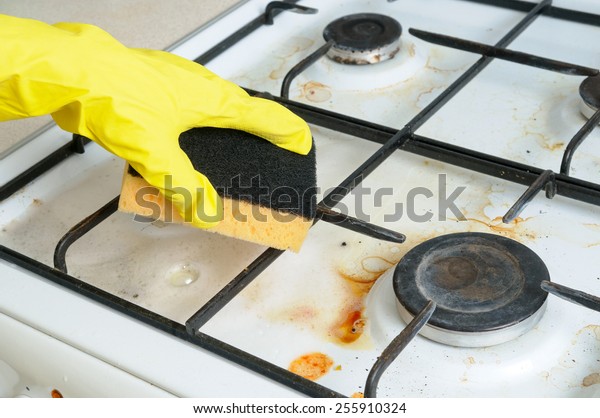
{"x": 590, "y": 93}
{"x": 363, "y": 38}
{"x": 486, "y": 287}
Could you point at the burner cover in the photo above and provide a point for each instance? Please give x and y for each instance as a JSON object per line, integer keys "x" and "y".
{"x": 363, "y": 38}
{"x": 483, "y": 285}
{"x": 590, "y": 93}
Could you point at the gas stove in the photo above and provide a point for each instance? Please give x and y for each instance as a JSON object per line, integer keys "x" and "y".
{"x": 443, "y": 271}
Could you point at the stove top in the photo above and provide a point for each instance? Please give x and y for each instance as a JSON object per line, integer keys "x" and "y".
{"x": 432, "y": 141}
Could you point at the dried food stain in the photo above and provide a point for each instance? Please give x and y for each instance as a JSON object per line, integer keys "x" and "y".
{"x": 316, "y": 92}
{"x": 591, "y": 379}
{"x": 311, "y": 366}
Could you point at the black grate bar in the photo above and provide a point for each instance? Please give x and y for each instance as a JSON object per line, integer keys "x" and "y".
{"x": 546, "y": 180}
{"x": 577, "y": 140}
{"x": 79, "y": 230}
{"x": 267, "y": 369}
{"x": 561, "y": 13}
{"x": 232, "y": 289}
{"x": 572, "y": 295}
{"x": 395, "y": 347}
{"x": 168, "y": 326}
{"x": 240, "y": 34}
{"x": 357, "y": 225}
{"x": 303, "y": 65}
{"x": 504, "y": 54}
{"x": 275, "y": 6}
{"x": 75, "y": 146}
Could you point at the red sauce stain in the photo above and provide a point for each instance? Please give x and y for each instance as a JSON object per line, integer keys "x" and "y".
{"x": 311, "y": 366}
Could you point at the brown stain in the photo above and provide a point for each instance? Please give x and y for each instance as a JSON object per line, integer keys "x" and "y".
{"x": 592, "y": 328}
{"x": 316, "y": 92}
{"x": 411, "y": 50}
{"x": 311, "y": 366}
{"x": 278, "y": 72}
{"x": 515, "y": 229}
{"x": 36, "y": 202}
{"x": 56, "y": 394}
{"x": 596, "y": 228}
{"x": 591, "y": 379}
{"x": 545, "y": 142}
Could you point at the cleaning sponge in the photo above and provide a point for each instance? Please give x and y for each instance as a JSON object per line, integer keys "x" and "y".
{"x": 269, "y": 194}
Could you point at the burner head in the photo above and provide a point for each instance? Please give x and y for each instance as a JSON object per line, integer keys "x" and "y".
{"x": 590, "y": 93}
{"x": 363, "y": 38}
{"x": 484, "y": 285}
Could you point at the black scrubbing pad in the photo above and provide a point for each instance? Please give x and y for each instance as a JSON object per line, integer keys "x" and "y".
{"x": 245, "y": 167}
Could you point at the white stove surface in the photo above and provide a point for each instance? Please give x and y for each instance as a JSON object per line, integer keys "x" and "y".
{"x": 300, "y": 304}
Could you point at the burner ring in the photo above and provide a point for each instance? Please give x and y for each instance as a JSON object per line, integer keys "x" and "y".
{"x": 589, "y": 90}
{"x": 363, "y": 38}
{"x": 481, "y": 283}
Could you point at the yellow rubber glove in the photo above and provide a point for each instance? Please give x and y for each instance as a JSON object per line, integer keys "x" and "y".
{"x": 133, "y": 102}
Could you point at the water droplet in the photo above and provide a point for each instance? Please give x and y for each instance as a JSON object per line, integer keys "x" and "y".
{"x": 183, "y": 274}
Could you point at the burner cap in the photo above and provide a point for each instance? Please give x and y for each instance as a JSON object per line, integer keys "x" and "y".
{"x": 363, "y": 38}
{"x": 481, "y": 283}
{"x": 590, "y": 93}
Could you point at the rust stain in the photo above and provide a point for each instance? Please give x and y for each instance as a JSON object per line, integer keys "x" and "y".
{"x": 545, "y": 142}
{"x": 591, "y": 379}
{"x": 316, "y": 92}
{"x": 311, "y": 366}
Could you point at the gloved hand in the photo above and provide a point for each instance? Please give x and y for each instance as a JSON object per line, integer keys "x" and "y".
{"x": 133, "y": 102}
